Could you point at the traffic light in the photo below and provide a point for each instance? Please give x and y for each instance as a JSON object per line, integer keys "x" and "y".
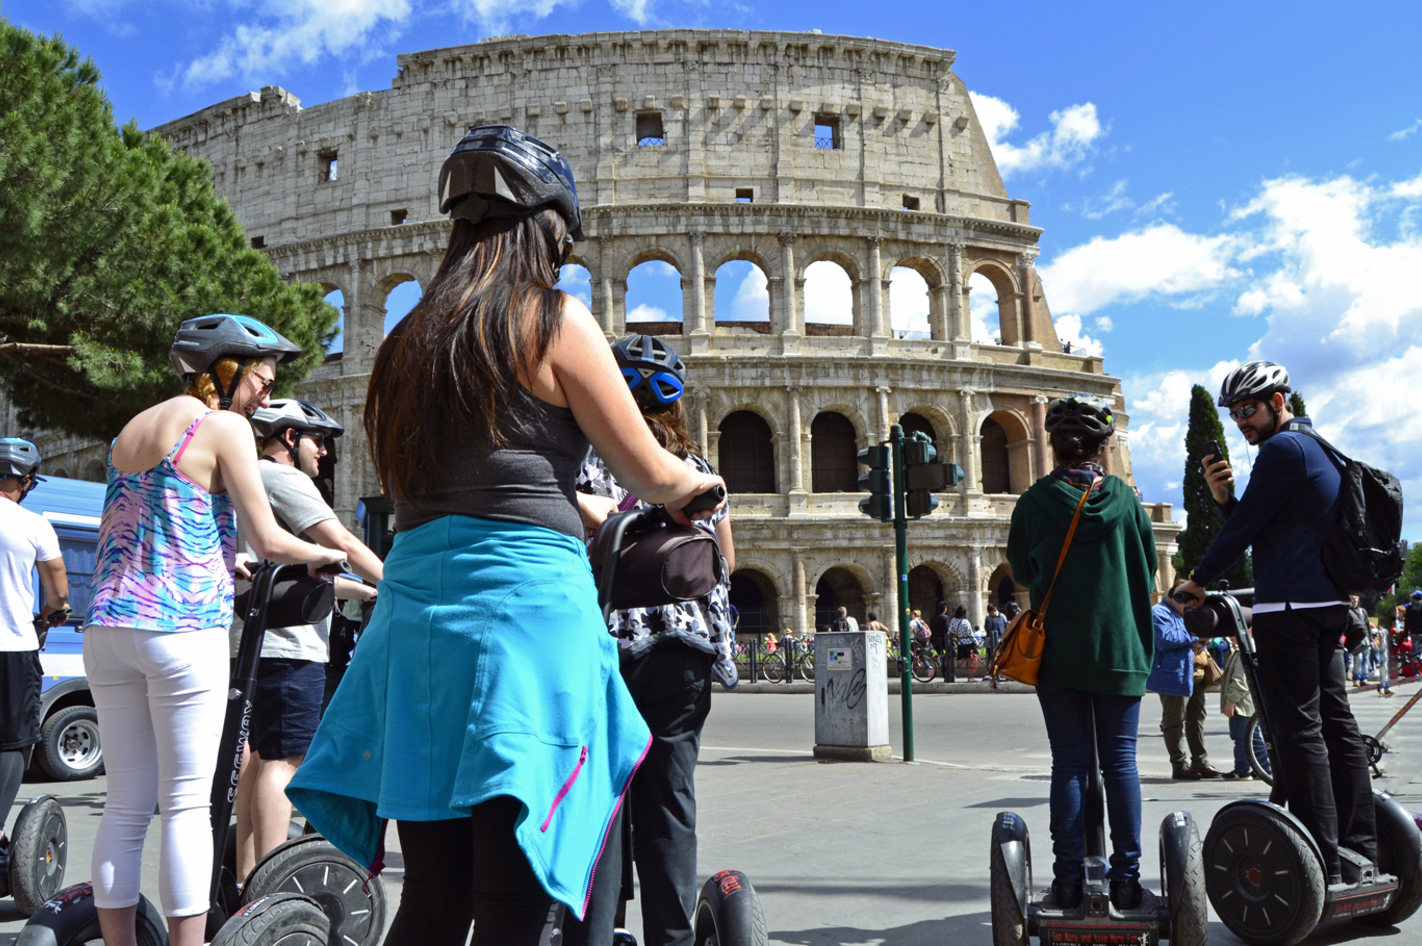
{"x": 879, "y": 505}
{"x": 925, "y": 475}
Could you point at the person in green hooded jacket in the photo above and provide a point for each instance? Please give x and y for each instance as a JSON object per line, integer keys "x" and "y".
{"x": 1099, "y": 638}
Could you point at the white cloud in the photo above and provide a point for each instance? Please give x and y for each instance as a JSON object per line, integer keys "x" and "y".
{"x": 982, "y": 310}
{"x": 1094, "y": 208}
{"x": 908, "y": 301}
{"x": 828, "y": 294}
{"x": 576, "y": 281}
{"x": 1070, "y": 333}
{"x": 1104, "y": 323}
{"x": 282, "y": 34}
{"x": 1404, "y": 133}
{"x": 751, "y": 300}
{"x": 1159, "y": 259}
{"x": 649, "y": 313}
{"x": 1071, "y": 140}
{"x": 496, "y": 16}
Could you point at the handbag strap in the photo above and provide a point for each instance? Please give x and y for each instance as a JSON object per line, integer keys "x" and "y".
{"x": 1061, "y": 559}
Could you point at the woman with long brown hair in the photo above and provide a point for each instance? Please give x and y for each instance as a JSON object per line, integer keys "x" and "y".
{"x": 483, "y": 709}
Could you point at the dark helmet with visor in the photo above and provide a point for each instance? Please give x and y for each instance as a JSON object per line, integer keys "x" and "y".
{"x": 1254, "y": 381}
{"x": 202, "y": 341}
{"x": 655, "y": 375}
{"x": 499, "y": 171}
{"x": 20, "y": 459}
{"x": 1081, "y": 413}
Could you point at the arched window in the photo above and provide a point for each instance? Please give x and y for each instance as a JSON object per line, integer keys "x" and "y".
{"x": 338, "y": 299}
{"x": 996, "y": 478}
{"x": 96, "y": 471}
{"x": 1006, "y": 591}
{"x": 754, "y": 596}
{"x": 838, "y": 588}
{"x": 747, "y": 456}
{"x": 742, "y": 293}
{"x": 925, "y": 590}
{"x": 833, "y": 457}
{"x": 402, "y": 298}
{"x": 917, "y": 423}
{"x": 653, "y": 293}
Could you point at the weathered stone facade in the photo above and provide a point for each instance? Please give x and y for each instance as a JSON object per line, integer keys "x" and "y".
{"x": 343, "y": 194}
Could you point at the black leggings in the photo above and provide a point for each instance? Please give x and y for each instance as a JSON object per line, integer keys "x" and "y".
{"x": 447, "y": 886}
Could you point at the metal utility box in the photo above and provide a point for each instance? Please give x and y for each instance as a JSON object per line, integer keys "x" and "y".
{"x": 851, "y": 696}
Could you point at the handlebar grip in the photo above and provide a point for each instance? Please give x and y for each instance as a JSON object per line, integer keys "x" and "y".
{"x": 335, "y": 568}
{"x": 707, "y": 500}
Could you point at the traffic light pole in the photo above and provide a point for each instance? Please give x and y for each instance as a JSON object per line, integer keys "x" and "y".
{"x": 896, "y": 436}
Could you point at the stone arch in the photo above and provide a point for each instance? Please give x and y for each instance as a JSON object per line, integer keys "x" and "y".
{"x": 1002, "y": 588}
{"x": 926, "y": 587}
{"x": 95, "y": 471}
{"x": 745, "y": 452}
{"x": 1004, "y": 281}
{"x": 648, "y": 270}
{"x": 61, "y": 473}
{"x": 842, "y": 584}
{"x": 863, "y": 430}
{"x": 336, "y": 296}
{"x": 1010, "y": 444}
{"x": 833, "y": 447}
{"x": 757, "y": 602}
{"x": 823, "y": 281}
{"x": 741, "y": 304}
{"x": 390, "y": 285}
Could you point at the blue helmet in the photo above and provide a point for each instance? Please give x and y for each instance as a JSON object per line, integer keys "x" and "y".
{"x": 655, "y": 375}
{"x": 1416, "y": 594}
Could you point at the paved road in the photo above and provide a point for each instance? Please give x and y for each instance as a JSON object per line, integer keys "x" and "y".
{"x": 883, "y": 853}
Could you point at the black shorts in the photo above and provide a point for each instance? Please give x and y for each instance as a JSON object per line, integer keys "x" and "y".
{"x": 286, "y": 706}
{"x": 20, "y": 676}
{"x": 965, "y": 651}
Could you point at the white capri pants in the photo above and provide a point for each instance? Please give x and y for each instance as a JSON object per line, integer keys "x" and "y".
{"x": 160, "y": 698}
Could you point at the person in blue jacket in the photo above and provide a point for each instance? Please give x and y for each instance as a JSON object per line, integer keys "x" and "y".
{"x": 1172, "y": 676}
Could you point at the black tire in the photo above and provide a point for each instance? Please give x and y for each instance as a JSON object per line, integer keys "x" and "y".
{"x": 71, "y": 919}
{"x": 1259, "y": 747}
{"x": 1009, "y": 926}
{"x": 922, "y": 668}
{"x": 1183, "y": 864}
{"x": 283, "y": 919}
{"x": 1262, "y": 877}
{"x": 1399, "y": 854}
{"x": 1374, "y": 748}
{"x": 728, "y": 913}
{"x": 772, "y": 668}
{"x": 806, "y": 667}
{"x": 229, "y": 852}
{"x": 69, "y": 746}
{"x": 38, "y": 854}
{"x": 314, "y": 868}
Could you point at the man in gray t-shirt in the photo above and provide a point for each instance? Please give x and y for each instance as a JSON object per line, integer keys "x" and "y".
{"x": 291, "y": 676}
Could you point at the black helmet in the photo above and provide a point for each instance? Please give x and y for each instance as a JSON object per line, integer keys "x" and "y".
{"x": 1081, "y": 413}
{"x": 203, "y": 340}
{"x": 1254, "y": 381}
{"x": 289, "y": 412}
{"x": 498, "y": 171}
{"x": 654, "y": 373}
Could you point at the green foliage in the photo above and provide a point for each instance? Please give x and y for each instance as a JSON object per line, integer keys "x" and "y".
{"x": 108, "y": 240}
{"x": 1385, "y": 608}
{"x": 1296, "y": 405}
{"x": 1202, "y": 514}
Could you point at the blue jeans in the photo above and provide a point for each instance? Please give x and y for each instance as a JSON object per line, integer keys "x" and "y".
{"x": 1238, "y": 723}
{"x": 1117, "y": 720}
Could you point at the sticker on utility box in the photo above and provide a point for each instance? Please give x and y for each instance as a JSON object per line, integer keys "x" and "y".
{"x": 838, "y": 658}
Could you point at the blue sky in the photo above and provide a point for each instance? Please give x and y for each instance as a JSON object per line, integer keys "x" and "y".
{"x": 1217, "y": 181}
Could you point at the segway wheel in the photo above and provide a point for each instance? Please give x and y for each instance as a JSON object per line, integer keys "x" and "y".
{"x": 38, "y": 854}
{"x": 1263, "y": 879}
{"x": 728, "y": 913}
{"x": 1009, "y": 924}
{"x": 1399, "y": 854}
{"x": 314, "y": 868}
{"x": 70, "y": 918}
{"x": 1260, "y": 749}
{"x": 282, "y": 919}
{"x": 1183, "y": 863}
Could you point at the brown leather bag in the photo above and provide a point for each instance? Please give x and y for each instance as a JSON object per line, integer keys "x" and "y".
{"x": 1019, "y": 655}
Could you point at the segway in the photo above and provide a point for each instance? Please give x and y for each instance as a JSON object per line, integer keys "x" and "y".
{"x": 305, "y": 888}
{"x": 1180, "y": 914}
{"x": 1264, "y": 870}
{"x": 728, "y": 910}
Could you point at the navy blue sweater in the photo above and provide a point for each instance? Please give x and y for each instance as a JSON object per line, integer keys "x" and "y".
{"x": 1293, "y": 476}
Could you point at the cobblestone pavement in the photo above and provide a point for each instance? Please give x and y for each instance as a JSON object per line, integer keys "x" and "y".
{"x": 882, "y": 853}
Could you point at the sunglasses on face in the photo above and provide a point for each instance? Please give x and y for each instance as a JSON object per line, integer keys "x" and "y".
{"x": 266, "y": 384}
{"x": 1245, "y": 412}
{"x": 1181, "y": 597}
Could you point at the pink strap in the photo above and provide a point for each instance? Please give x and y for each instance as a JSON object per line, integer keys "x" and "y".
{"x": 187, "y": 437}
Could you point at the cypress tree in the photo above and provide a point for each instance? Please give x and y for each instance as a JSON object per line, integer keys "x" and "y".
{"x": 108, "y": 240}
{"x": 1203, "y": 521}
{"x": 1296, "y": 405}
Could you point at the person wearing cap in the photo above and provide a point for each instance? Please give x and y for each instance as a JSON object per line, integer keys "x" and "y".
{"x": 291, "y": 674}
{"x": 1300, "y": 614}
{"x": 1100, "y": 641}
{"x": 27, "y": 544}
{"x": 483, "y": 710}
{"x": 181, "y": 475}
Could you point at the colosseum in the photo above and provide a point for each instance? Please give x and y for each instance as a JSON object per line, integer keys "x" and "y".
{"x": 695, "y": 148}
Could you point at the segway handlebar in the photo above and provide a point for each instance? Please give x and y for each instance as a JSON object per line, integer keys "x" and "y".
{"x": 710, "y": 499}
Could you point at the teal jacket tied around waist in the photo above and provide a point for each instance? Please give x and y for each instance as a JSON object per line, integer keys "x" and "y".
{"x": 486, "y": 670}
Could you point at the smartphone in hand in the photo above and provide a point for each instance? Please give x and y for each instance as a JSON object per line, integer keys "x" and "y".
{"x": 1211, "y": 449}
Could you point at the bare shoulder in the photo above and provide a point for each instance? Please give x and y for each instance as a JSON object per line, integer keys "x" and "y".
{"x": 578, "y": 322}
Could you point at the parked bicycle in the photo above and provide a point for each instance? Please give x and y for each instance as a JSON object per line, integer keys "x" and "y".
{"x": 924, "y": 662}
{"x": 794, "y": 659}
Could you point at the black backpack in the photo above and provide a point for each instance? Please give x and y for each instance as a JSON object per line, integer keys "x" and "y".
{"x": 1364, "y": 554}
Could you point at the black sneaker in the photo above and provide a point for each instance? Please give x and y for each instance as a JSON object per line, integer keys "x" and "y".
{"x": 1065, "y": 896}
{"x": 623, "y": 938}
{"x": 1126, "y": 894}
{"x": 1186, "y": 774}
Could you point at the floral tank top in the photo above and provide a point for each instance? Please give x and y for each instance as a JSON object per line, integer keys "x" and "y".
{"x": 166, "y": 550}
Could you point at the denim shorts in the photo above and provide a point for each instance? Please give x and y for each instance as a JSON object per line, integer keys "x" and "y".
{"x": 286, "y": 706}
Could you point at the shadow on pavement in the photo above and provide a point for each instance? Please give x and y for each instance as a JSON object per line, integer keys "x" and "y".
{"x": 1011, "y": 803}
{"x": 969, "y": 928}
{"x": 778, "y": 759}
{"x": 937, "y": 893}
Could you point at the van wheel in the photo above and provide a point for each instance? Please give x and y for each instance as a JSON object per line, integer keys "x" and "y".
{"x": 69, "y": 744}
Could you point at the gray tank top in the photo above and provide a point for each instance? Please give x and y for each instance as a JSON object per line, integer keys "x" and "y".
{"x": 527, "y": 479}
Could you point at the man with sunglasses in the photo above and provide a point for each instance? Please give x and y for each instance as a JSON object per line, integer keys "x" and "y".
{"x": 1300, "y": 614}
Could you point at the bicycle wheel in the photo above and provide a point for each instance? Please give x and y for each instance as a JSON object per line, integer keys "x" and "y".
{"x": 1259, "y": 747}
{"x": 805, "y": 666}
{"x": 922, "y": 667}
{"x": 772, "y": 667}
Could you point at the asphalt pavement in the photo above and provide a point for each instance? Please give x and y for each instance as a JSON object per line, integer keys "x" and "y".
{"x": 884, "y": 853}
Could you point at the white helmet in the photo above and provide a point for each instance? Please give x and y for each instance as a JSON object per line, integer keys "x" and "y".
{"x": 288, "y": 412}
{"x": 1253, "y": 381}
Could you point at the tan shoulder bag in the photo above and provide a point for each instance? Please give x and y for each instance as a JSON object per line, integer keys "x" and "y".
{"x": 1019, "y": 654}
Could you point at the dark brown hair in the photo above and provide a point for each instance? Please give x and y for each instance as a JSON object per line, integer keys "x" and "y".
{"x": 668, "y": 425}
{"x": 455, "y": 361}
{"x": 1077, "y": 447}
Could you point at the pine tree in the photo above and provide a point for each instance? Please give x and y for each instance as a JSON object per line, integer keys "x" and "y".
{"x": 1203, "y": 518}
{"x": 1296, "y": 405}
{"x": 108, "y": 240}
